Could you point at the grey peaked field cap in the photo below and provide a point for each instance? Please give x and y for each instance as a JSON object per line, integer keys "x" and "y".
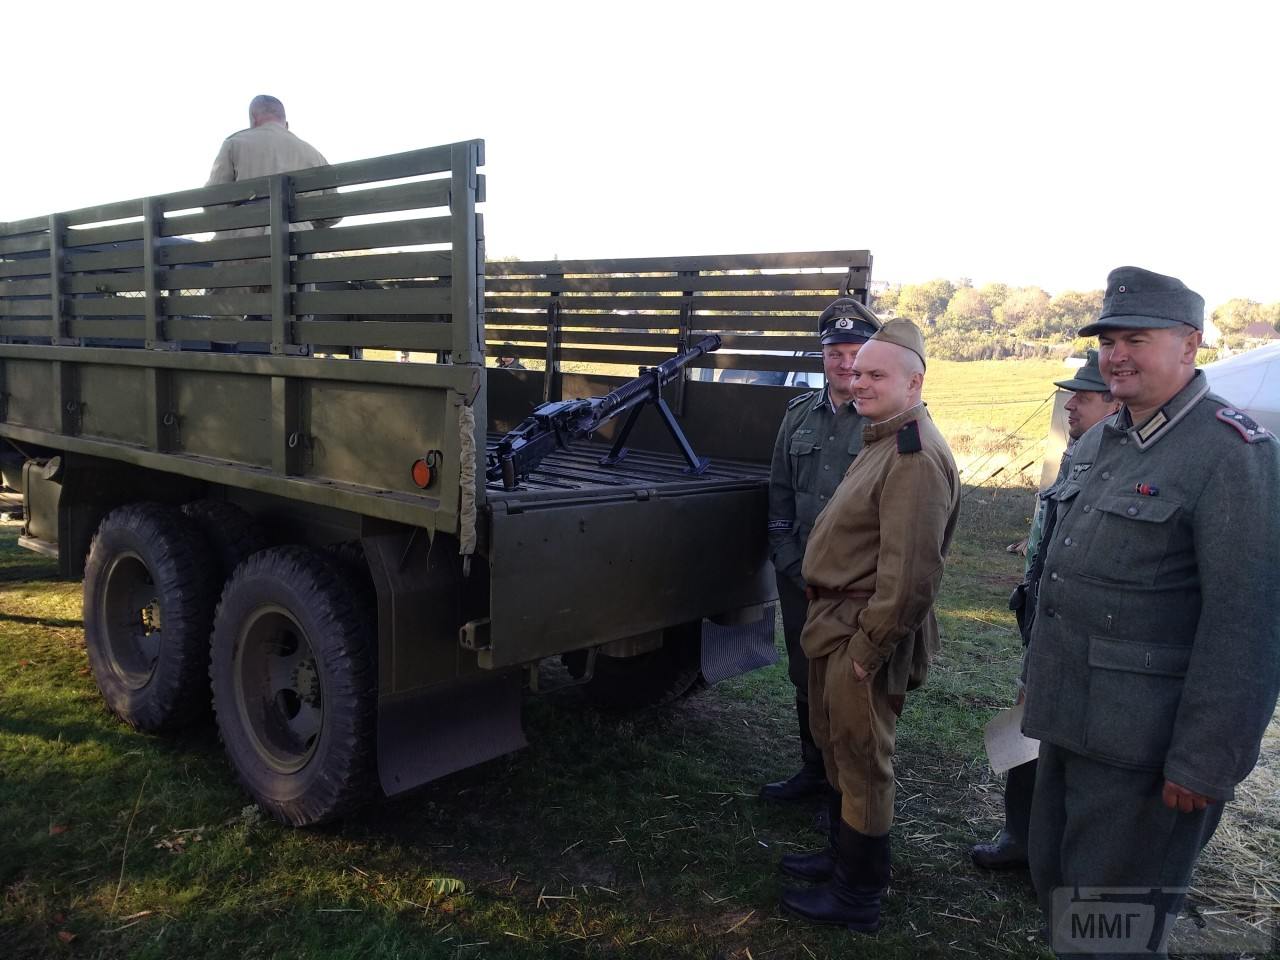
{"x": 1088, "y": 376}
{"x": 1138, "y": 299}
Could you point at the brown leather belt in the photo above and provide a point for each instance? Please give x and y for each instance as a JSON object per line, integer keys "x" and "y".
{"x": 812, "y": 593}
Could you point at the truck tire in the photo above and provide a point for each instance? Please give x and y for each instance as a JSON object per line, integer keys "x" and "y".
{"x": 294, "y": 685}
{"x": 233, "y": 535}
{"x": 149, "y": 595}
{"x": 650, "y": 679}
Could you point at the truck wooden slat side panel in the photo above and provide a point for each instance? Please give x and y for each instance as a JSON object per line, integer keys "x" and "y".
{"x": 145, "y": 365}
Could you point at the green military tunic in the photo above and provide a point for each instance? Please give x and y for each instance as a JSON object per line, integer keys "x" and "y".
{"x": 1155, "y": 652}
{"x": 815, "y": 446}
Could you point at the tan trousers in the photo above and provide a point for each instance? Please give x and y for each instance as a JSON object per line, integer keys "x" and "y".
{"x": 854, "y": 723}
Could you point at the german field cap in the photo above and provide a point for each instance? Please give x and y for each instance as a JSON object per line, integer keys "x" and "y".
{"x": 1138, "y": 299}
{"x": 1088, "y": 376}
{"x": 902, "y": 333}
{"x": 846, "y": 321}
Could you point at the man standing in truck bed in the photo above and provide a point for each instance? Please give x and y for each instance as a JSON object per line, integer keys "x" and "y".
{"x": 266, "y": 147}
{"x": 820, "y": 435}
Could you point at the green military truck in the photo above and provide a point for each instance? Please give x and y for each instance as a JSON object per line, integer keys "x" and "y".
{"x": 206, "y": 413}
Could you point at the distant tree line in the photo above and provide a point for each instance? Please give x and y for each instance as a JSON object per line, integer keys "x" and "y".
{"x": 964, "y": 322}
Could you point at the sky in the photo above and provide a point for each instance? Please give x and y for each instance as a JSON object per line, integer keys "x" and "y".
{"x": 1026, "y": 143}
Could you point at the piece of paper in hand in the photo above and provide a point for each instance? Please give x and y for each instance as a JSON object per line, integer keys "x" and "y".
{"x": 1006, "y": 746}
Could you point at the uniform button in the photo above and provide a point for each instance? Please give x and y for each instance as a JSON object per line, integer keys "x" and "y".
{"x": 1087, "y": 508}
{"x": 1132, "y": 511}
{"x": 831, "y": 438}
{"x": 826, "y": 466}
{"x": 1066, "y": 542}
{"x": 1124, "y": 441}
{"x": 1106, "y": 474}
{"x": 1050, "y": 612}
{"x": 1053, "y": 576}
{"x": 823, "y": 497}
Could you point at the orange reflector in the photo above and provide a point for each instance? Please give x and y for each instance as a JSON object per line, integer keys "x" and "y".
{"x": 421, "y": 473}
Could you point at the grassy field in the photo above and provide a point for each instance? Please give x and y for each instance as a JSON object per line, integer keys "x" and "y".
{"x": 637, "y": 836}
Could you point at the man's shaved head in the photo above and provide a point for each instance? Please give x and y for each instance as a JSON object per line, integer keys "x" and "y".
{"x": 263, "y": 109}
{"x": 887, "y": 380}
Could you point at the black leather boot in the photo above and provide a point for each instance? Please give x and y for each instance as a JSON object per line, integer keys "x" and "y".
{"x": 852, "y": 898}
{"x": 1009, "y": 851}
{"x": 811, "y": 779}
{"x": 817, "y": 865}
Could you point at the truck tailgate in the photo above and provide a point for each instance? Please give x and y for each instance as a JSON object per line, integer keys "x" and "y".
{"x": 585, "y": 554}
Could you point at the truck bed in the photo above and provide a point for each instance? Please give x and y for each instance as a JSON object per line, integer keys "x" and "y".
{"x": 571, "y": 473}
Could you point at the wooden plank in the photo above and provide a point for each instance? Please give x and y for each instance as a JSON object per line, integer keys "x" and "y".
{"x": 233, "y": 248}
{"x": 125, "y": 259}
{"x": 468, "y": 263}
{"x": 377, "y": 266}
{"x": 106, "y": 306}
{"x": 106, "y": 328}
{"x": 369, "y": 371}
{"x": 255, "y": 213}
{"x": 57, "y": 308}
{"x": 375, "y": 302}
{"x": 758, "y": 322}
{"x": 759, "y": 303}
{"x": 374, "y": 333}
{"x": 738, "y": 341}
{"x": 25, "y": 243}
{"x": 243, "y": 331}
{"x": 392, "y": 199}
{"x": 573, "y": 338}
{"x": 115, "y": 233}
{"x": 183, "y": 278}
{"x": 24, "y": 328}
{"x": 151, "y": 217}
{"x": 25, "y": 267}
{"x": 214, "y": 305}
{"x": 279, "y": 291}
{"x": 831, "y": 282}
{"x": 25, "y": 288}
{"x": 27, "y": 308}
{"x": 396, "y": 166}
{"x": 399, "y": 233}
{"x": 859, "y": 260}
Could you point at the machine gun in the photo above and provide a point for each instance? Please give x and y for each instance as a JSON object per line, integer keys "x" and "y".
{"x": 554, "y": 425}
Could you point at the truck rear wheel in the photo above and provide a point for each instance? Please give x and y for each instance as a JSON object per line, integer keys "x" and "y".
{"x": 233, "y": 535}
{"x": 294, "y": 685}
{"x": 149, "y": 593}
{"x": 650, "y": 679}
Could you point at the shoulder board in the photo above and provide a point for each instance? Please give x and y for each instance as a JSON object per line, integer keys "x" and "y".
{"x": 1245, "y": 425}
{"x": 796, "y": 401}
{"x": 909, "y": 437}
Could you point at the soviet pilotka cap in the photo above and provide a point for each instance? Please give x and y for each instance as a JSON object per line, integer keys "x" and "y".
{"x": 1088, "y": 376}
{"x": 847, "y": 321}
{"x": 1138, "y": 299}
{"x": 903, "y": 333}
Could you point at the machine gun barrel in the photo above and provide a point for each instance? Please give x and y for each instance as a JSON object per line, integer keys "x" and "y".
{"x": 554, "y": 424}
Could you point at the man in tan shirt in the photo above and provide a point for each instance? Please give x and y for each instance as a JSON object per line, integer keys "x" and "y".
{"x": 873, "y": 565}
{"x": 266, "y": 147}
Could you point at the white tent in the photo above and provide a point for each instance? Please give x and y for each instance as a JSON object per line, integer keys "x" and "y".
{"x": 1251, "y": 380}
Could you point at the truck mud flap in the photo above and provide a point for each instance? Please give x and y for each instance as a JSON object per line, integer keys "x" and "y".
{"x": 448, "y": 728}
{"x": 729, "y": 651}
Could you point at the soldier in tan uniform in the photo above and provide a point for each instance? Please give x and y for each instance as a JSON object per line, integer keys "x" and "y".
{"x": 873, "y": 565}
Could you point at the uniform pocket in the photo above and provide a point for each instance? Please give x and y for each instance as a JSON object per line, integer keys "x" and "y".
{"x": 804, "y": 464}
{"x": 1134, "y": 692}
{"x": 1131, "y": 540}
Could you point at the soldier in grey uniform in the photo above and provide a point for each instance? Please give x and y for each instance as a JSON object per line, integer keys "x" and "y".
{"x": 1090, "y": 403}
{"x": 1154, "y": 661}
{"x": 820, "y": 435}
